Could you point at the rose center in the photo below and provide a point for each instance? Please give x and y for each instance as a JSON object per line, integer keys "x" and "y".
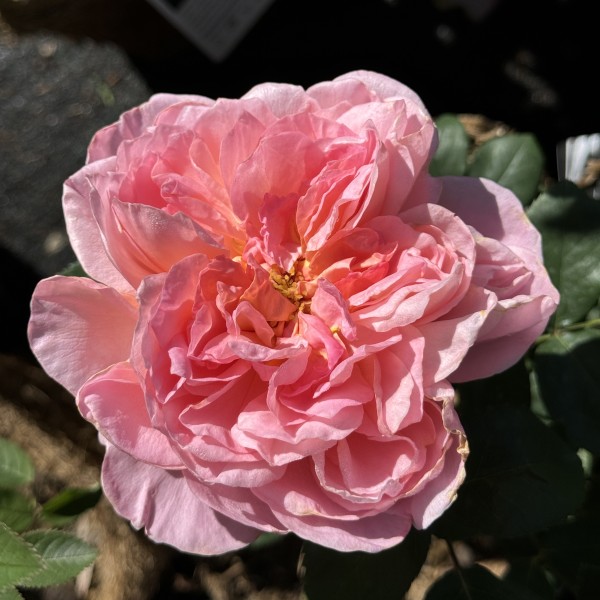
{"x": 292, "y": 284}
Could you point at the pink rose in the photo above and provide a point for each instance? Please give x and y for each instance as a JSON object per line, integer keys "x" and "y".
{"x": 280, "y": 295}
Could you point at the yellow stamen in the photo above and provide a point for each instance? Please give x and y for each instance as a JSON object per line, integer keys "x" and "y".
{"x": 287, "y": 284}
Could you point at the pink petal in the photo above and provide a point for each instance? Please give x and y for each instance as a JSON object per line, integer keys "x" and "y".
{"x": 382, "y": 86}
{"x": 240, "y": 141}
{"x": 330, "y": 306}
{"x": 114, "y": 402}
{"x": 282, "y": 98}
{"x": 512, "y": 329}
{"x": 495, "y": 212}
{"x": 161, "y": 501}
{"x": 239, "y": 504}
{"x": 362, "y": 469}
{"x": 282, "y": 164}
{"x": 409, "y": 138}
{"x": 279, "y": 239}
{"x": 84, "y": 232}
{"x": 367, "y": 534}
{"x": 349, "y": 189}
{"x": 398, "y": 382}
{"x": 143, "y": 240}
{"x": 79, "y": 327}
{"x": 440, "y": 490}
{"x": 449, "y": 339}
{"x": 134, "y": 122}
{"x": 336, "y": 97}
{"x": 491, "y": 209}
{"x": 301, "y": 505}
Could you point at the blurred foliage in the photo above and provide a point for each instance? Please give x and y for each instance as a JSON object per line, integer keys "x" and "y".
{"x": 32, "y": 554}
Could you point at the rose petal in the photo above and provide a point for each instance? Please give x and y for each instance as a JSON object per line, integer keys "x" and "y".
{"x": 114, "y": 402}
{"x": 300, "y": 504}
{"x": 69, "y": 317}
{"x": 161, "y": 501}
{"x": 84, "y": 232}
{"x": 382, "y": 86}
{"x": 143, "y": 240}
{"x": 134, "y": 122}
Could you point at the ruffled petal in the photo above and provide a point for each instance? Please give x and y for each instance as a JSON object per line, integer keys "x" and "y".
{"x": 114, "y": 402}
{"x": 382, "y": 86}
{"x": 161, "y": 502}
{"x": 300, "y": 504}
{"x": 79, "y": 327}
{"x": 85, "y": 234}
{"x": 134, "y": 122}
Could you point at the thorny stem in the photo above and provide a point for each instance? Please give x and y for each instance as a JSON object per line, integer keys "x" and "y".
{"x": 458, "y": 568}
{"x": 592, "y": 323}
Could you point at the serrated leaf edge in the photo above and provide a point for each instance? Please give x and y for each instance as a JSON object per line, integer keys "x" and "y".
{"x": 33, "y": 550}
{"x": 26, "y": 582}
{"x": 6, "y": 588}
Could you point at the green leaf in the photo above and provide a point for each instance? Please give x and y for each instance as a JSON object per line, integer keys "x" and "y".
{"x": 594, "y": 313}
{"x": 521, "y": 476}
{"x": 348, "y": 575}
{"x": 266, "y": 540}
{"x": 572, "y": 550}
{"x": 568, "y": 374}
{"x": 16, "y": 510}
{"x": 18, "y": 559}
{"x": 515, "y": 161}
{"x": 64, "y": 556}
{"x": 15, "y": 466}
{"x": 473, "y": 583}
{"x": 526, "y": 576}
{"x": 70, "y": 503}
{"x": 588, "y": 582}
{"x": 74, "y": 269}
{"x": 10, "y": 593}
{"x": 512, "y": 386}
{"x": 451, "y": 155}
{"x": 569, "y": 221}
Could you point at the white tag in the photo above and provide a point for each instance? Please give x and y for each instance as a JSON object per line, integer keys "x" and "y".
{"x": 215, "y": 26}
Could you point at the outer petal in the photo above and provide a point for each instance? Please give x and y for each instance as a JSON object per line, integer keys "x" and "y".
{"x": 512, "y": 330}
{"x": 143, "y": 240}
{"x": 367, "y": 534}
{"x": 79, "y": 327}
{"x": 496, "y": 213}
{"x": 491, "y": 209}
{"x": 84, "y": 233}
{"x": 301, "y": 506}
{"x": 134, "y": 122}
{"x": 114, "y": 402}
{"x": 383, "y": 86}
{"x": 439, "y": 493}
{"x": 282, "y": 98}
{"x": 162, "y": 503}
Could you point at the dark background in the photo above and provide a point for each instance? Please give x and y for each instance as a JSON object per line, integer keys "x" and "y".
{"x": 69, "y": 67}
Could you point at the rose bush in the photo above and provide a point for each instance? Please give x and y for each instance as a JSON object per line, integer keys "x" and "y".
{"x": 280, "y": 296}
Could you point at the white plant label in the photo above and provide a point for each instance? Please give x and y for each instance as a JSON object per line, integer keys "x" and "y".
{"x": 216, "y": 27}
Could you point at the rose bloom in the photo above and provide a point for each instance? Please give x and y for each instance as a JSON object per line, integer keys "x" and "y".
{"x": 280, "y": 296}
